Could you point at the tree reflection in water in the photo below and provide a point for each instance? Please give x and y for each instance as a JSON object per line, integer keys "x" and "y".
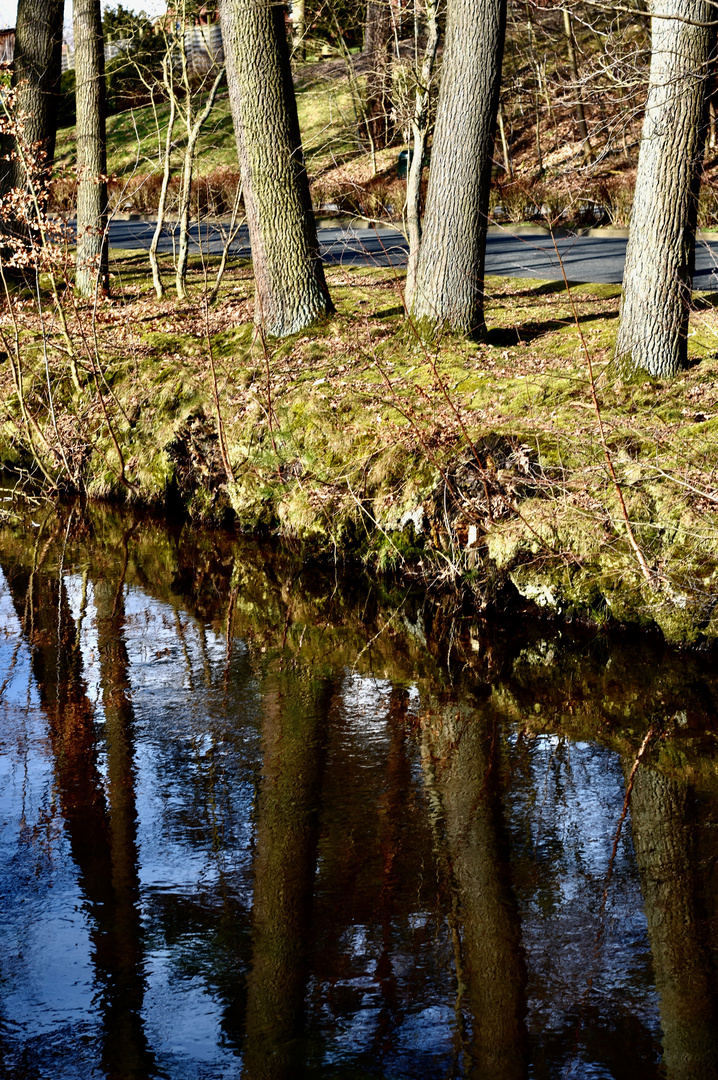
{"x": 102, "y": 831}
{"x": 664, "y": 837}
{"x": 306, "y": 843}
{"x": 294, "y": 749}
{"x": 460, "y": 755}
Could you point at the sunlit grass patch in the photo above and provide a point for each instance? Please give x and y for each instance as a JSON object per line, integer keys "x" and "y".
{"x": 359, "y": 437}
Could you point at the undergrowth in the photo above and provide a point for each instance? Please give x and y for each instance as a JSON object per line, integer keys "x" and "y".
{"x": 470, "y": 464}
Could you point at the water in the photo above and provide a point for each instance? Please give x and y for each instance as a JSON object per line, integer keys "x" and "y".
{"x": 265, "y": 822}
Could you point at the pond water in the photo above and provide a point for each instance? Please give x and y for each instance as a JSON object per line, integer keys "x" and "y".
{"x": 268, "y": 822}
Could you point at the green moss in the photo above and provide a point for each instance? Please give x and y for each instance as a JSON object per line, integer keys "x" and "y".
{"x": 371, "y": 444}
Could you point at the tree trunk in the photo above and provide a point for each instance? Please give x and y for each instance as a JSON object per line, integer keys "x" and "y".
{"x": 449, "y": 287}
{"x": 26, "y": 162}
{"x": 537, "y": 93}
{"x": 419, "y": 132}
{"x": 291, "y": 290}
{"x": 92, "y": 268}
{"x": 657, "y": 281}
{"x": 193, "y": 133}
{"x": 573, "y": 64}
{"x": 166, "y": 159}
{"x": 36, "y": 75}
{"x": 504, "y": 145}
{"x": 377, "y": 36}
{"x": 298, "y": 29}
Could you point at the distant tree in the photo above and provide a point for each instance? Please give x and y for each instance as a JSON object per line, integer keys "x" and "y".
{"x": 194, "y": 113}
{"x": 573, "y": 66}
{"x": 120, "y": 24}
{"x": 135, "y": 50}
{"x": 657, "y": 282}
{"x": 291, "y": 290}
{"x": 449, "y": 284}
{"x": 67, "y": 113}
{"x": 299, "y": 27}
{"x": 91, "y": 268}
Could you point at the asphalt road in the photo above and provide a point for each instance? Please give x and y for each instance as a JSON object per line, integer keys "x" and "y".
{"x": 585, "y": 258}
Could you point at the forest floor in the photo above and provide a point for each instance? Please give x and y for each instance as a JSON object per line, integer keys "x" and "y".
{"x": 480, "y": 465}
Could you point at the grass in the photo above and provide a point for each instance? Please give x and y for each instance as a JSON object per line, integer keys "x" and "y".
{"x": 133, "y": 136}
{"x": 462, "y": 461}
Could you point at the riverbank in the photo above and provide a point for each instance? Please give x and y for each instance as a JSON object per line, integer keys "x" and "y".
{"x": 479, "y": 466}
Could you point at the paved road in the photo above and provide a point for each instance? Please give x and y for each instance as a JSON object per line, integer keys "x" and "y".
{"x": 585, "y": 258}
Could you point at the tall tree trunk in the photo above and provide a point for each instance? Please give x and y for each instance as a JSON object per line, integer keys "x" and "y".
{"x": 26, "y": 162}
{"x": 662, "y": 838}
{"x": 92, "y": 268}
{"x": 377, "y": 37}
{"x": 449, "y": 287}
{"x": 419, "y": 133}
{"x": 573, "y": 64}
{"x": 166, "y": 161}
{"x": 36, "y": 75}
{"x": 291, "y": 290}
{"x": 505, "y": 145}
{"x": 657, "y": 281}
{"x": 537, "y": 94}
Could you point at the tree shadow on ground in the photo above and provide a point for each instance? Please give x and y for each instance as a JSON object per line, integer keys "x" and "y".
{"x": 545, "y": 289}
{"x": 525, "y": 333}
{"x": 701, "y": 301}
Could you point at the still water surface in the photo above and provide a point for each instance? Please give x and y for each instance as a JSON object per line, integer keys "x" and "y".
{"x": 269, "y": 823}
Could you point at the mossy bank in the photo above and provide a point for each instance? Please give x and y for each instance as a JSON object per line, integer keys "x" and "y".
{"x": 475, "y": 465}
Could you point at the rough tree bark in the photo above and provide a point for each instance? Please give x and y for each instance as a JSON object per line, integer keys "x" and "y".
{"x": 657, "y": 281}
{"x": 91, "y": 266}
{"x": 377, "y": 37}
{"x": 36, "y": 74}
{"x": 28, "y": 141}
{"x": 449, "y": 289}
{"x": 291, "y": 290}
